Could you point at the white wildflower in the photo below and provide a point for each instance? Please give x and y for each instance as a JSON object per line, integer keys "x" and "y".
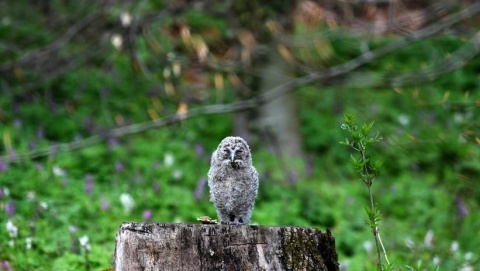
{"x": 343, "y": 265}
{"x": 177, "y": 69}
{"x": 125, "y": 18}
{"x": 367, "y": 245}
{"x": 12, "y": 229}
{"x": 58, "y": 171}
{"x": 468, "y": 256}
{"x": 168, "y": 159}
{"x": 171, "y": 56}
{"x": 127, "y": 202}
{"x": 409, "y": 243}
{"x": 11, "y": 243}
{"x": 459, "y": 117}
{"x": 429, "y": 239}
{"x": 436, "y": 260}
{"x": 6, "y": 192}
{"x": 466, "y": 267}
{"x": 28, "y": 242}
{"x": 84, "y": 243}
{"x": 116, "y": 41}
{"x": 403, "y": 119}
{"x": 43, "y": 205}
{"x": 177, "y": 175}
{"x": 454, "y": 246}
{"x": 31, "y": 195}
{"x": 166, "y": 73}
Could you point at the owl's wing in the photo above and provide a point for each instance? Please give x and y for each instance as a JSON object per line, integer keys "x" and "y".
{"x": 214, "y": 158}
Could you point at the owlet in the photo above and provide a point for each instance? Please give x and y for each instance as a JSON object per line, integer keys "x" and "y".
{"x": 233, "y": 181}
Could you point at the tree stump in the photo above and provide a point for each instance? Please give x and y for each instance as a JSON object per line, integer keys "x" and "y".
{"x": 192, "y": 247}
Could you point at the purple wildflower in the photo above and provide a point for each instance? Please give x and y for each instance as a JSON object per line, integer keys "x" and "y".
{"x": 112, "y": 142}
{"x": 40, "y": 132}
{"x": 72, "y": 229}
{"x": 16, "y": 107}
{"x": 10, "y": 209}
{"x": 156, "y": 187}
{"x": 138, "y": 178}
{"x": 12, "y": 154}
{"x": 3, "y": 166}
{"x": 199, "y": 150}
{"x": 53, "y": 149}
{"x": 200, "y": 188}
{"x": 462, "y": 209}
{"x": 147, "y": 215}
{"x": 5, "y": 266}
{"x": 32, "y": 145}
{"x": 119, "y": 167}
{"x": 17, "y": 123}
{"x": 3, "y": 192}
{"x": 88, "y": 183}
{"x": 53, "y": 107}
{"x": 104, "y": 204}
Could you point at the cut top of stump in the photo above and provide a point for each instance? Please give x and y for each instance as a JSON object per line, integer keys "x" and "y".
{"x": 199, "y": 247}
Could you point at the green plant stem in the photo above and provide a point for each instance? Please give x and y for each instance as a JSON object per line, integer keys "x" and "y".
{"x": 376, "y": 235}
{"x": 87, "y": 261}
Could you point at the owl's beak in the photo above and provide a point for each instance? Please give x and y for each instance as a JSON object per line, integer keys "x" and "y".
{"x": 232, "y": 157}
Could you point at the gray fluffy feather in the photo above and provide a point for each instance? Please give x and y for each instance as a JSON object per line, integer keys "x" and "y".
{"x": 233, "y": 181}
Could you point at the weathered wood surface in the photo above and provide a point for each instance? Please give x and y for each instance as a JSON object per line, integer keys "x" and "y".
{"x": 192, "y": 247}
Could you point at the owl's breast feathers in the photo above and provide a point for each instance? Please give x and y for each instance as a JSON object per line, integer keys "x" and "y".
{"x": 234, "y": 188}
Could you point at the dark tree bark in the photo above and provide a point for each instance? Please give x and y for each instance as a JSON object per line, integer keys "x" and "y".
{"x": 159, "y": 246}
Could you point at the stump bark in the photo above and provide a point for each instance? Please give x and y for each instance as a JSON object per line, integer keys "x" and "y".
{"x": 197, "y": 247}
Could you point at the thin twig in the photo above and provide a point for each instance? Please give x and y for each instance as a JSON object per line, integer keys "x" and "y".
{"x": 374, "y": 54}
{"x": 57, "y": 44}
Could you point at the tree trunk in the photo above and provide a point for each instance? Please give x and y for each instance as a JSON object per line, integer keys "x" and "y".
{"x": 160, "y": 246}
{"x": 278, "y": 121}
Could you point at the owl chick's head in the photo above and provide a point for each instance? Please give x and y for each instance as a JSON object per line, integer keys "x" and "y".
{"x": 234, "y": 151}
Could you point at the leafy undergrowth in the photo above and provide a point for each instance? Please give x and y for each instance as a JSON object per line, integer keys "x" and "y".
{"x": 156, "y": 177}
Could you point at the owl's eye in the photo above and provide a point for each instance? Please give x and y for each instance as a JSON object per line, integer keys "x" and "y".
{"x": 226, "y": 153}
{"x": 238, "y": 154}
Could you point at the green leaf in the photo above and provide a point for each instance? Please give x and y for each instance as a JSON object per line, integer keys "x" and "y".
{"x": 389, "y": 267}
{"x": 346, "y": 142}
{"x": 366, "y": 128}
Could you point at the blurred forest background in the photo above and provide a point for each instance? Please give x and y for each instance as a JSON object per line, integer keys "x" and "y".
{"x": 110, "y": 109}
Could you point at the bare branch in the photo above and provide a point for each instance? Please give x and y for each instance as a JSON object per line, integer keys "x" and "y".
{"x": 73, "y": 30}
{"x": 374, "y": 54}
{"x": 57, "y": 44}
{"x": 455, "y": 61}
{"x": 262, "y": 98}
